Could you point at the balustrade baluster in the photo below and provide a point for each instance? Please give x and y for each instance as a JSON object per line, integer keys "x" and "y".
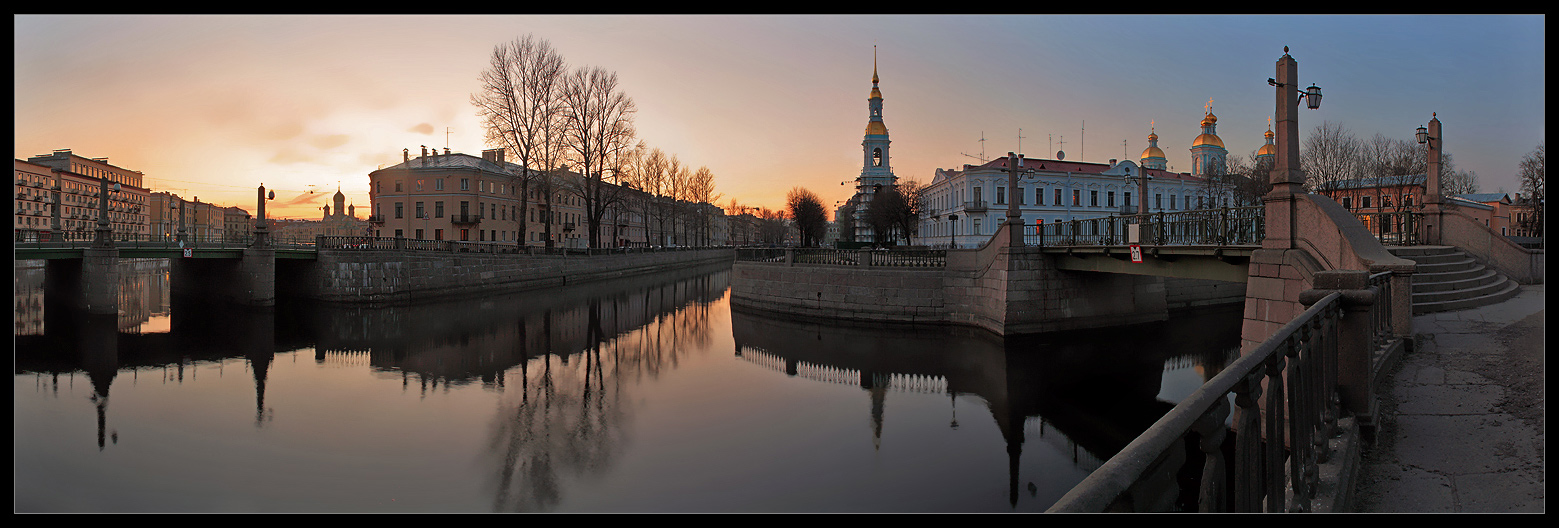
{"x": 1248, "y": 467}
{"x": 1210, "y": 429}
{"x": 1275, "y": 425}
{"x": 1301, "y": 422}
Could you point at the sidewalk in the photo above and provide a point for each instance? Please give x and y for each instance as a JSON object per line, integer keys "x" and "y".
{"x": 1461, "y": 416}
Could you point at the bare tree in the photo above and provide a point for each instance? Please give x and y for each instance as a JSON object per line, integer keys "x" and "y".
{"x": 1532, "y": 175}
{"x": 807, "y": 210}
{"x": 1330, "y": 155}
{"x": 894, "y": 211}
{"x": 701, "y": 195}
{"x": 520, "y": 106}
{"x": 598, "y": 121}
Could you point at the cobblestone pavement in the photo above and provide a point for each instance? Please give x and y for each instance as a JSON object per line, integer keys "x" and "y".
{"x": 1461, "y": 417}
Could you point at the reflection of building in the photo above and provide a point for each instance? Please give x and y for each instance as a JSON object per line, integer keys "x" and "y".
{"x": 78, "y": 181}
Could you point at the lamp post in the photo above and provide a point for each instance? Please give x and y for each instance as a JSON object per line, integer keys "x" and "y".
{"x": 182, "y": 232}
{"x": 105, "y": 231}
{"x": 1433, "y": 200}
{"x": 1286, "y": 177}
{"x": 262, "y": 229}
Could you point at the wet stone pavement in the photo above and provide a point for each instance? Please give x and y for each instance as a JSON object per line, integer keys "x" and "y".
{"x": 1461, "y": 427}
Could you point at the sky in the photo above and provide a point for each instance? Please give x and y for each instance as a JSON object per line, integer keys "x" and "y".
{"x": 213, "y": 106}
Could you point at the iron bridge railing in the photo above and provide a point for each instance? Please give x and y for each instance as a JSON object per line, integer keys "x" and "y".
{"x": 898, "y": 257}
{"x": 1225, "y": 226}
{"x": 1286, "y": 409}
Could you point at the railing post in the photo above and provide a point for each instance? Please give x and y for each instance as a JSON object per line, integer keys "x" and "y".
{"x": 1356, "y": 341}
{"x": 790, "y": 256}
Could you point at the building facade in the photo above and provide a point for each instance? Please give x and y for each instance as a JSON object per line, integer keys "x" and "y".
{"x": 69, "y": 185}
{"x": 964, "y": 207}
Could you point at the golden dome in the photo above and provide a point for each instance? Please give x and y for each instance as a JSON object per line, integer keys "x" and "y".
{"x": 1207, "y": 139}
{"x": 876, "y": 94}
{"x": 1267, "y": 150}
{"x": 1152, "y": 137}
{"x": 1210, "y": 120}
{"x": 1153, "y": 152}
{"x": 1268, "y": 134}
{"x": 876, "y": 127}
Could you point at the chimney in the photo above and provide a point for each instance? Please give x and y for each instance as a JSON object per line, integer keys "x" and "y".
{"x": 424, "y": 157}
{"x": 493, "y": 155}
{"x": 405, "y": 155}
{"x": 446, "y": 151}
{"x": 1112, "y": 162}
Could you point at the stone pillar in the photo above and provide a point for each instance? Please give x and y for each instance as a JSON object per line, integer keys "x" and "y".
{"x": 1287, "y": 180}
{"x": 1014, "y": 216}
{"x": 1434, "y": 200}
{"x": 1355, "y": 341}
{"x": 257, "y": 271}
{"x": 100, "y": 280}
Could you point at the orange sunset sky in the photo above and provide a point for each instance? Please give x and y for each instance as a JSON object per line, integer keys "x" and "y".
{"x": 213, "y": 106}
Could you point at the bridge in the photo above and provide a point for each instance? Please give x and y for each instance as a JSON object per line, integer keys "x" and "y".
{"x": 1326, "y": 308}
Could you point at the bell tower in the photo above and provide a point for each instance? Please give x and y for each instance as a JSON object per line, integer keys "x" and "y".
{"x": 876, "y": 170}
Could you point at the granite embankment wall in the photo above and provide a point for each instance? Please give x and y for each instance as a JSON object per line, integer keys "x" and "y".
{"x": 370, "y": 276}
{"x": 1003, "y": 291}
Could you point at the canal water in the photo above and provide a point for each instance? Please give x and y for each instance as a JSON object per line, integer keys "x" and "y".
{"x": 648, "y": 394}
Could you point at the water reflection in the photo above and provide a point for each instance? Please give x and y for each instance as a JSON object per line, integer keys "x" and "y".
{"x": 566, "y": 395}
{"x": 1086, "y": 393}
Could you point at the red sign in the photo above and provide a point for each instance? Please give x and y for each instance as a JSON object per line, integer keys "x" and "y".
{"x": 1136, "y": 253}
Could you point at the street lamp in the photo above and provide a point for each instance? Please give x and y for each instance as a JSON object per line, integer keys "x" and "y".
{"x": 1423, "y": 133}
{"x": 1311, "y": 95}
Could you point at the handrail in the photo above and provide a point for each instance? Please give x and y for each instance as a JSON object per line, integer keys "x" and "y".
{"x": 1224, "y": 226}
{"x": 1298, "y": 364}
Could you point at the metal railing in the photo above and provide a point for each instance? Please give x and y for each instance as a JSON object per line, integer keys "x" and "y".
{"x": 1225, "y": 226}
{"x": 1287, "y": 407}
{"x": 465, "y": 246}
{"x": 82, "y": 238}
{"x": 910, "y": 258}
{"x": 1399, "y": 228}
{"x": 1276, "y": 453}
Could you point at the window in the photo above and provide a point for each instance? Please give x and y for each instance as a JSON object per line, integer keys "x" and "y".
{"x": 1058, "y": 197}
{"x": 1001, "y": 196}
{"x": 1346, "y": 203}
{"x": 419, "y": 189}
{"x": 399, "y": 233}
{"x": 1039, "y": 196}
{"x": 400, "y": 209}
{"x": 1171, "y": 202}
{"x": 1077, "y": 197}
{"x": 1385, "y": 201}
{"x": 1407, "y": 200}
{"x": 977, "y": 227}
{"x": 1158, "y": 201}
{"x": 1364, "y": 201}
{"x": 419, "y": 234}
{"x": 465, "y": 184}
{"x": 438, "y": 234}
{"x": 420, "y": 212}
{"x": 1093, "y": 198}
{"x": 438, "y": 209}
{"x": 1126, "y": 199}
{"x": 438, "y": 185}
{"x": 397, "y": 186}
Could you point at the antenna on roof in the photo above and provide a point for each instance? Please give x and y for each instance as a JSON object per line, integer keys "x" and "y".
{"x": 1020, "y": 141}
{"x": 982, "y": 157}
{"x": 446, "y": 138}
{"x": 1084, "y": 140}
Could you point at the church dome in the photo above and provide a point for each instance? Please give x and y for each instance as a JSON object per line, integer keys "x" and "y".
{"x": 1267, "y": 150}
{"x": 1210, "y": 120}
{"x": 876, "y": 94}
{"x": 1207, "y": 139}
{"x": 877, "y": 128}
{"x": 1153, "y": 152}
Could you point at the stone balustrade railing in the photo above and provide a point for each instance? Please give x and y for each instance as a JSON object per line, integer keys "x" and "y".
{"x": 1291, "y": 394}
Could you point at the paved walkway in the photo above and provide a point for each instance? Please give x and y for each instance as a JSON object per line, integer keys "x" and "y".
{"x": 1462, "y": 415}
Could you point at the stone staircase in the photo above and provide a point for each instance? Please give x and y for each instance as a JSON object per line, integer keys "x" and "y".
{"x": 1448, "y": 278}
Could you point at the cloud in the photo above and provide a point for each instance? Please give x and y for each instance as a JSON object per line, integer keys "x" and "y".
{"x": 329, "y": 142}
{"x": 303, "y": 199}
{"x": 290, "y": 156}
{"x": 422, "y": 128}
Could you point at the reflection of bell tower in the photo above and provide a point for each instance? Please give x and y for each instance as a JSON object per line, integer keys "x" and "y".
{"x": 877, "y": 386}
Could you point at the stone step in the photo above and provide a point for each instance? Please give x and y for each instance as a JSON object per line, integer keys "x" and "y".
{"x": 1440, "y": 282}
{"x": 1440, "y": 258}
{"x": 1466, "y": 263}
{"x": 1460, "y": 293}
{"x": 1408, "y": 252}
{"x": 1510, "y": 289}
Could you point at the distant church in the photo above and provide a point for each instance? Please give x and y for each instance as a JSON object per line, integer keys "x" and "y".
{"x": 876, "y": 171}
{"x": 344, "y": 221}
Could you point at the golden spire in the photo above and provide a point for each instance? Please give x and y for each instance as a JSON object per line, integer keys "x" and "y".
{"x": 874, "y": 64}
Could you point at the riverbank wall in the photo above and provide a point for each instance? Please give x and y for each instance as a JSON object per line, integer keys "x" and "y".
{"x": 396, "y": 277}
{"x": 1004, "y": 290}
